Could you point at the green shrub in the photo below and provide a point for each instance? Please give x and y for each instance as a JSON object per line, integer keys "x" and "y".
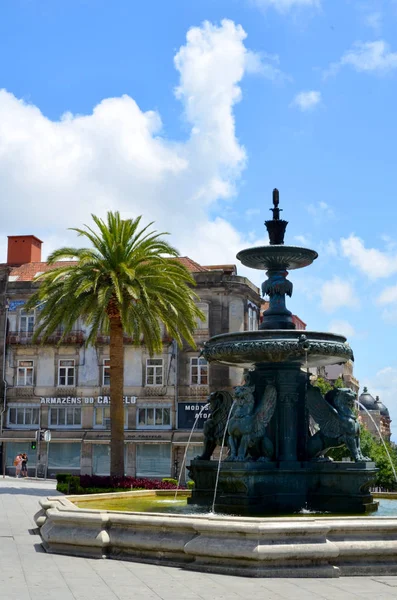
{"x": 190, "y": 485}
{"x": 63, "y": 477}
{"x": 170, "y": 480}
{"x": 74, "y": 484}
{"x": 68, "y": 484}
{"x": 62, "y": 487}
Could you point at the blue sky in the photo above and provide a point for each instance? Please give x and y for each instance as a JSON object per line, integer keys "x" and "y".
{"x": 190, "y": 113}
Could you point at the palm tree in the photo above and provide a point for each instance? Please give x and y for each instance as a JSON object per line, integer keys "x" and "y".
{"x": 128, "y": 281}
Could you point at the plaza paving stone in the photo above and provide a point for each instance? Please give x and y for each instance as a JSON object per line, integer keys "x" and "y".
{"x": 28, "y": 573}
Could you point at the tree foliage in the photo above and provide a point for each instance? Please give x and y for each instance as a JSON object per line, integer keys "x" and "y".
{"x": 128, "y": 271}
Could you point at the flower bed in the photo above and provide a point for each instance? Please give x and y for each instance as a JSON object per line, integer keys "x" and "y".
{"x": 94, "y": 484}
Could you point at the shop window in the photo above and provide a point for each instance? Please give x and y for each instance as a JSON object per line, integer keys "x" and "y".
{"x": 66, "y": 372}
{"x": 198, "y": 371}
{"x": 12, "y": 449}
{"x": 101, "y": 458}
{"x": 154, "y": 371}
{"x": 67, "y": 416}
{"x": 23, "y": 416}
{"x": 191, "y": 453}
{"x": 153, "y": 460}
{"x": 102, "y": 417}
{"x": 149, "y": 417}
{"x": 25, "y": 372}
{"x": 64, "y": 455}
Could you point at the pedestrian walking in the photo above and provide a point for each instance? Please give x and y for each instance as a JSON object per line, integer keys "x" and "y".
{"x": 24, "y": 470}
{"x": 18, "y": 465}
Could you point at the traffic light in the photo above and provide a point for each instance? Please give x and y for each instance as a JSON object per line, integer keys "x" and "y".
{"x": 40, "y": 435}
{"x": 33, "y": 445}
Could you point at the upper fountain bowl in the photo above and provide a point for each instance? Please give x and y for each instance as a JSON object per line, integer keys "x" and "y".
{"x": 248, "y": 348}
{"x": 278, "y": 257}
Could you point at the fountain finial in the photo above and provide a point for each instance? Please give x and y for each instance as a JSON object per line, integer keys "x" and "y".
{"x": 276, "y": 201}
{"x": 276, "y": 226}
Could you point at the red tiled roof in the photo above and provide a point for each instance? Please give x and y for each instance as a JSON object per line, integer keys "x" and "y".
{"x": 191, "y": 265}
{"x": 225, "y": 268}
{"x": 28, "y": 271}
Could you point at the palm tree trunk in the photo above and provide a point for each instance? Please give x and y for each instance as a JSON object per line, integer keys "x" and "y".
{"x": 116, "y": 397}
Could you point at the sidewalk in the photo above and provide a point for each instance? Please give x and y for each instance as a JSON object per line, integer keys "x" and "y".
{"x": 28, "y": 573}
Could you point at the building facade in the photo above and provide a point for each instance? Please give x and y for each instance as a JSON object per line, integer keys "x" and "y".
{"x": 374, "y": 415}
{"x": 63, "y": 386}
{"x": 345, "y": 372}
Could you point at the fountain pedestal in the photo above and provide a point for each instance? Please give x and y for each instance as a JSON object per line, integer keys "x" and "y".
{"x": 265, "y": 488}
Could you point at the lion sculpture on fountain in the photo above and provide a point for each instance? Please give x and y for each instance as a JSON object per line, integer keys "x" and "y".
{"x": 214, "y": 428}
{"x": 247, "y": 439}
{"x": 337, "y": 420}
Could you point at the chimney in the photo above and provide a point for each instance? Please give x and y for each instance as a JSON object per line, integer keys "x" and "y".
{"x": 23, "y": 249}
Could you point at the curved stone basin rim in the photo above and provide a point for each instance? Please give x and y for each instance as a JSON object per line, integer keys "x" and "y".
{"x": 277, "y": 257}
{"x": 232, "y": 545}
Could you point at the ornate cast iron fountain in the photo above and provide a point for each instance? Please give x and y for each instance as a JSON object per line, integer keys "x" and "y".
{"x": 281, "y": 427}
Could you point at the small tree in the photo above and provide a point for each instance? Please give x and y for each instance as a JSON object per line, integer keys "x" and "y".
{"x": 128, "y": 281}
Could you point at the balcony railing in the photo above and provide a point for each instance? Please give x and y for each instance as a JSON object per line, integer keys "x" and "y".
{"x": 26, "y": 338}
{"x": 105, "y": 339}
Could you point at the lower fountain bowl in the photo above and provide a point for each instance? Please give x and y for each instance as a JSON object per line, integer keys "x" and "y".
{"x": 248, "y": 348}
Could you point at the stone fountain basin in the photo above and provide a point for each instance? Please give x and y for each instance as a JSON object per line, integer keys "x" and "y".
{"x": 254, "y": 547}
{"x": 248, "y": 348}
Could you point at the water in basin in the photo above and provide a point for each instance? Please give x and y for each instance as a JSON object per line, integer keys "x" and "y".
{"x": 167, "y": 504}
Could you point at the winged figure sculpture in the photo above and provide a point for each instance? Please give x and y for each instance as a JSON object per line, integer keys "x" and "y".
{"x": 334, "y": 413}
{"x": 247, "y": 439}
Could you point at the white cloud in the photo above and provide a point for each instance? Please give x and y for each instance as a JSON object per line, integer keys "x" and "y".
{"x": 336, "y": 294}
{"x": 306, "y": 101}
{"x": 367, "y": 57}
{"x": 252, "y": 212}
{"x": 388, "y": 296}
{"x": 320, "y": 210}
{"x": 265, "y": 65}
{"x": 301, "y": 239}
{"x": 374, "y": 21}
{"x": 331, "y": 248}
{"x": 54, "y": 174}
{"x": 370, "y": 261}
{"x": 342, "y": 327}
{"x": 388, "y": 299}
{"x": 286, "y": 5}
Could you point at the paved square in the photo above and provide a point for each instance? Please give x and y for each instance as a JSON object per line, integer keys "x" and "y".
{"x": 28, "y": 573}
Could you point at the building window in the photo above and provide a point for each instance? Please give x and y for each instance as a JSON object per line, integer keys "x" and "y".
{"x": 66, "y": 373}
{"x": 106, "y": 372}
{"x": 12, "y": 449}
{"x": 65, "y": 455}
{"x": 153, "y": 460}
{"x": 101, "y": 459}
{"x": 68, "y": 416}
{"x": 25, "y": 372}
{"x": 26, "y": 322}
{"x": 23, "y": 416}
{"x": 252, "y": 319}
{"x": 198, "y": 371}
{"x": 102, "y": 417}
{"x": 154, "y": 417}
{"x": 203, "y": 306}
{"x": 154, "y": 371}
